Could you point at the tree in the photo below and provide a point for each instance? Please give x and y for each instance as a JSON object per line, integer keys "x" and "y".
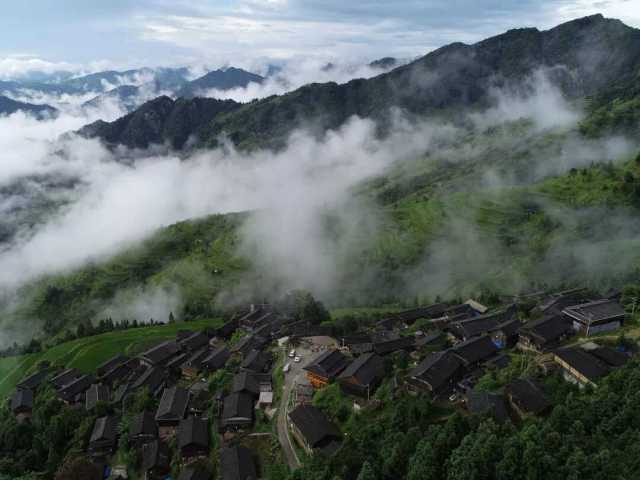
{"x": 172, "y": 319}
{"x": 367, "y": 472}
{"x": 76, "y": 468}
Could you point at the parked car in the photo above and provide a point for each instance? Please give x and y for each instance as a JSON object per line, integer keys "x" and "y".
{"x": 297, "y": 359}
{"x": 286, "y": 368}
{"x": 292, "y": 353}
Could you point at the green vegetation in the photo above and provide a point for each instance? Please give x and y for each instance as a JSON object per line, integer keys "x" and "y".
{"x": 87, "y": 353}
{"x": 588, "y": 435}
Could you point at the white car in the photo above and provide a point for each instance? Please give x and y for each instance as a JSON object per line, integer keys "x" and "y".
{"x": 292, "y": 353}
{"x": 297, "y": 359}
{"x": 286, "y": 368}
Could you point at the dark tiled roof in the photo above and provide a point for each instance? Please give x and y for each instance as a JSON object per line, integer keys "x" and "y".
{"x": 245, "y": 382}
{"x": 255, "y": 361}
{"x": 485, "y": 323}
{"x": 96, "y": 393}
{"x": 366, "y": 369}
{"x": 583, "y": 362}
{"x": 34, "y": 380}
{"x": 111, "y": 364}
{"x": 194, "y": 342}
{"x": 193, "y": 431}
{"x": 432, "y": 311}
{"x": 313, "y": 424}
{"x": 594, "y": 312}
{"x": 236, "y": 463}
{"x": 173, "y": 404}
{"x": 227, "y": 329}
{"x": 437, "y": 369}
{"x": 22, "y": 399}
{"x": 475, "y": 350}
{"x": 528, "y": 396}
{"x": 105, "y": 428}
{"x": 611, "y": 357}
{"x": 143, "y": 424}
{"x": 547, "y": 329}
{"x": 65, "y": 377}
{"x": 217, "y": 359}
{"x": 355, "y": 339}
{"x": 152, "y": 378}
{"x": 403, "y": 343}
{"x": 237, "y": 405}
{"x": 72, "y": 390}
{"x": 555, "y": 302}
{"x": 155, "y": 455}
{"x": 161, "y": 353}
{"x": 328, "y": 364}
{"x": 482, "y": 402}
{"x": 194, "y": 474}
{"x": 195, "y": 360}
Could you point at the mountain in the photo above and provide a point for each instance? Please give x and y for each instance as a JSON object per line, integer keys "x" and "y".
{"x": 9, "y": 106}
{"x": 222, "y": 79}
{"x": 161, "y": 121}
{"x": 583, "y": 57}
{"x": 384, "y": 63}
{"x": 125, "y": 96}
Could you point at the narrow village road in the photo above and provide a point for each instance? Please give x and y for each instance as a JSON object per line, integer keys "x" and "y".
{"x": 283, "y": 430}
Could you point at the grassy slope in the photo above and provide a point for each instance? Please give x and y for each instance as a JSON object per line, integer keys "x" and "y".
{"x": 87, "y": 353}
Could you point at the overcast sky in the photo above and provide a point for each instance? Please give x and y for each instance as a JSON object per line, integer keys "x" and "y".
{"x": 47, "y": 34}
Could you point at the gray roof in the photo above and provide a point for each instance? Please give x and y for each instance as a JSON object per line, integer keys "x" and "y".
{"x": 143, "y": 423}
{"x": 105, "y": 428}
{"x": 314, "y": 425}
{"x": 173, "y": 404}
{"x": 96, "y": 393}
{"x": 328, "y": 364}
{"x": 155, "y": 455}
{"x": 22, "y": 399}
{"x": 236, "y": 463}
{"x": 245, "y": 382}
{"x": 237, "y": 405}
{"x": 597, "y": 311}
{"x": 34, "y": 380}
{"x": 366, "y": 369}
{"x": 161, "y": 352}
{"x": 193, "y": 431}
{"x": 583, "y": 362}
{"x": 437, "y": 369}
{"x": 475, "y": 350}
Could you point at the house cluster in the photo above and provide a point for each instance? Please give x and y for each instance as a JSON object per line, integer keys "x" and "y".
{"x": 459, "y": 343}
{"x": 453, "y": 347}
{"x": 173, "y": 372}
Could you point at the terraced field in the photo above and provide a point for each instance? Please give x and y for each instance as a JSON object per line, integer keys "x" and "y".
{"x": 87, "y": 353}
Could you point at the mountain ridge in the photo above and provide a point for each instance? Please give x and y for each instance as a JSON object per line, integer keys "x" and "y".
{"x": 593, "y": 52}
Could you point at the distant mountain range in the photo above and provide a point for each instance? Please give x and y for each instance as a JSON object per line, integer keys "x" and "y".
{"x": 585, "y": 58}
{"x": 130, "y": 88}
{"x": 9, "y": 106}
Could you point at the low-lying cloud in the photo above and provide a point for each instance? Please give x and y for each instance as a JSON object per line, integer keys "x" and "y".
{"x": 306, "y": 224}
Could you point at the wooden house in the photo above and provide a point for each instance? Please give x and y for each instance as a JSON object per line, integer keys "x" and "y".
{"x": 596, "y": 317}
{"x": 527, "y": 398}
{"x": 143, "y": 429}
{"x": 104, "y": 437}
{"x": 237, "y": 412}
{"x": 156, "y": 460}
{"x": 171, "y": 411}
{"x": 193, "y": 438}
{"x": 22, "y": 404}
{"x": 312, "y": 429}
{"x": 325, "y": 368}
{"x": 216, "y": 359}
{"x": 587, "y": 367}
{"x": 237, "y": 463}
{"x": 363, "y": 375}
{"x": 544, "y": 334}
{"x": 437, "y": 374}
{"x": 161, "y": 354}
{"x": 97, "y": 393}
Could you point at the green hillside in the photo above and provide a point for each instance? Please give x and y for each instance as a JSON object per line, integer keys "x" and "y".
{"x": 86, "y": 354}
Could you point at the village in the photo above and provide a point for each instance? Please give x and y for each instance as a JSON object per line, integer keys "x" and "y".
{"x": 215, "y": 393}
